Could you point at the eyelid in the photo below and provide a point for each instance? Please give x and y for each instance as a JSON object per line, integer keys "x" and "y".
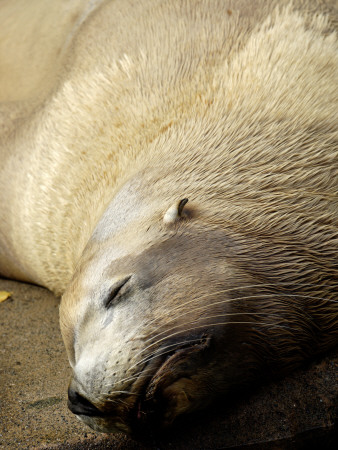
{"x": 115, "y": 291}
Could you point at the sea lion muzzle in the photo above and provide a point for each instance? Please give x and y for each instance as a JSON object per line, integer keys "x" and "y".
{"x": 160, "y": 398}
{"x": 79, "y": 405}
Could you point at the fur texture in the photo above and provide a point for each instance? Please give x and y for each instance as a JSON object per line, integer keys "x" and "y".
{"x": 230, "y": 104}
{"x": 121, "y": 91}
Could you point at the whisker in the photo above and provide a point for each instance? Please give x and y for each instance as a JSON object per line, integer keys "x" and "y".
{"x": 223, "y": 291}
{"x": 181, "y": 306}
{"x": 171, "y": 320}
{"x": 202, "y": 318}
{"x": 124, "y": 392}
{"x": 168, "y": 346}
{"x": 149, "y": 358}
{"x": 209, "y": 325}
{"x": 206, "y": 307}
{"x": 132, "y": 378}
{"x": 116, "y": 402}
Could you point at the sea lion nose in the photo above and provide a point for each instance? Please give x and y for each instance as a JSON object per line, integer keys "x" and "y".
{"x": 80, "y": 405}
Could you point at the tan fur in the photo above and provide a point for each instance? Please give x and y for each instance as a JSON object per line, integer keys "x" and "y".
{"x": 230, "y": 104}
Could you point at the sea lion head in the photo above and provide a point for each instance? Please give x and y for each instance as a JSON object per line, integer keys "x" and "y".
{"x": 151, "y": 322}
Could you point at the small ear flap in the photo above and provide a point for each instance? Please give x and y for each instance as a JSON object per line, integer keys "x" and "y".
{"x": 175, "y": 211}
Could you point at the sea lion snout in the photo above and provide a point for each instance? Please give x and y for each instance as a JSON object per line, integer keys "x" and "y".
{"x": 79, "y": 405}
{"x": 166, "y": 388}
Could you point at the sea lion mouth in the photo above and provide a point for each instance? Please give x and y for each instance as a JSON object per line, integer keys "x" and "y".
{"x": 158, "y": 394}
{"x": 169, "y": 392}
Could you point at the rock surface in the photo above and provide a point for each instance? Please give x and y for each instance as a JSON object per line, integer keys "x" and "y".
{"x": 298, "y": 412}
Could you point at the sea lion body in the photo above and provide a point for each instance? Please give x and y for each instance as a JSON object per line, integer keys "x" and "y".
{"x": 232, "y": 105}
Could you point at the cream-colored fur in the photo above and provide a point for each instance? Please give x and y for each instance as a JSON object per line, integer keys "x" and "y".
{"x": 232, "y": 104}
{"x": 126, "y": 89}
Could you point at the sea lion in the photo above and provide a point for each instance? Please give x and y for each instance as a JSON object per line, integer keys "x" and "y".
{"x": 175, "y": 177}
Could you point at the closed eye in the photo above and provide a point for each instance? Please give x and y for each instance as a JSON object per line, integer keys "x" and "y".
{"x": 116, "y": 291}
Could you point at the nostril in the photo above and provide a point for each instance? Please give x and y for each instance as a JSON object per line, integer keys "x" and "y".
{"x": 80, "y": 405}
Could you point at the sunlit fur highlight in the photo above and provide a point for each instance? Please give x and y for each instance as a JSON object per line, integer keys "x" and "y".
{"x": 233, "y": 105}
